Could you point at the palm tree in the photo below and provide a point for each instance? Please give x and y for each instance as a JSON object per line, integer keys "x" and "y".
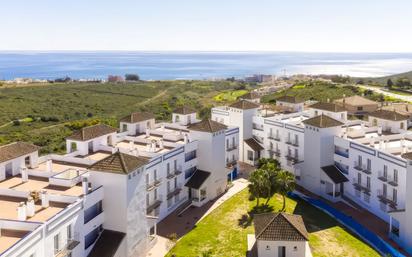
{"x": 286, "y": 183}
{"x": 271, "y": 170}
{"x": 258, "y": 185}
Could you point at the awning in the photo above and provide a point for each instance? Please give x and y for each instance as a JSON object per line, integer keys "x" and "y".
{"x": 197, "y": 179}
{"x": 334, "y": 174}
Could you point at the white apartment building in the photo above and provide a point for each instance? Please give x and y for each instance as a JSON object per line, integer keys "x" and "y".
{"x": 107, "y": 193}
{"x": 365, "y": 162}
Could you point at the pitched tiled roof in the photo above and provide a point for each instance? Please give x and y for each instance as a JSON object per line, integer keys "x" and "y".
{"x": 323, "y": 121}
{"x": 388, "y": 115}
{"x": 280, "y": 227}
{"x": 137, "y": 117}
{"x": 251, "y": 95}
{"x": 107, "y": 244}
{"x": 184, "y": 110}
{"x": 197, "y": 179}
{"x": 207, "y": 125}
{"x": 244, "y": 105}
{"x": 252, "y": 143}
{"x": 332, "y": 107}
{"x": 334, "y": 174}
{"x": 15, "y": 150}
{"x": 289, "y": 99}
{"x": 91, "y": 132}
{"x": 356, "y": 101}
{"x": 120, "y": 163}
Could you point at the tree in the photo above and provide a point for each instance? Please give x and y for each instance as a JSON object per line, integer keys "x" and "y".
{"x": 286, "y": 183}
{"x": 389, "y": 83}
{"x": 403, "y": 82}
{"x": 263, "y": 161}
{"x": 132, "y": 77}
{"x": 258, "y": 187}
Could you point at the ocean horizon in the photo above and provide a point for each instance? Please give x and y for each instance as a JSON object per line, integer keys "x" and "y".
{"x": 171, "y": 65}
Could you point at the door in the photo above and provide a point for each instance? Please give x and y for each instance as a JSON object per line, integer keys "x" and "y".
{"x": 91, "y": 147}
{"x": 9, "y": 169}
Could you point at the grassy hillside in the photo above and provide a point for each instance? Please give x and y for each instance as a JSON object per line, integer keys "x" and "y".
{"x": 383, "y": 80}
{"x": 46, "y": 114}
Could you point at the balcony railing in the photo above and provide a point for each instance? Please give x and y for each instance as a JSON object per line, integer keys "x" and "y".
{"x": 342, "y": 153}
{"x": 231, "y": 148}
{"x": 172, "y": 174}
{"x": 230, "y": 164}
{"x": 383, "y": 177}
{"x": 363, "y": 168}
{"x": 275, "y": 152}
{"x": 274, "y": 137}
{"x": 392, "y": 181}
{"x": 156, "y": 182}
{"x": 257, "y": 127}
{"x": 293, "y": 159}
{"x": 156, "y": 203}
{"x": 174, "y": 192}
{"x": 358, "y": 186}
{"x": 67, "y": 249}
{"x": 291, "y": 142}
{"x": 384, "y": 199}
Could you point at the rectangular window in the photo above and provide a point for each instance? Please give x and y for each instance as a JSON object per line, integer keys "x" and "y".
{"x": 175, "y": 183}
{"x": 147, "y": 199}
{"x": 395, "y": 176}
{"x": 56, "y": 243}
{"x": 359, "y": 160}
{"x": 385, "y": 171}
{"x": 394, "y": 195}
{"x": 369, "y": 164}
{"x": 359, "y": 178}
{"x": 168, "y": 186}
{"x": 155, "y": 194}
{"x": 175, "y": 164}
{"x": 155, "y": 175}
{"x": 250, "y": 155}
{"x": 384, "y": 192}
{"x": 147, "y": 179}
{"x": 69, "y": 232}
{"x": 368, "y": 183}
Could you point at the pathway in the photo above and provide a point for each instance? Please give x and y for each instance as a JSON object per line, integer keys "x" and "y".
{"x": 407, "y": 98}
{"x": 184, "y": 223}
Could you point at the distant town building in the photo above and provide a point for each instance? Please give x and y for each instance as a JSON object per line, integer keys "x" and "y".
{"x": 357, "y": 105}
{"x": 115, "y": 78}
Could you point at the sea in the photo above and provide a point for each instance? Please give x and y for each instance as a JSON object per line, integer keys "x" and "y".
{"x": 196, "y": 65}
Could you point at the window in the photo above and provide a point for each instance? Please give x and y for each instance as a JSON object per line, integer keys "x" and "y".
{"x": 384, "y": 190}
{"x": 147, "y": 179}
{"x": 359, "y": 178}
{"x": 360, "y": 108}
{"x": 282, "y": 251}
{"x": 177, "y": 118}
{"x": 402, "y": 125}
{"x": 155, "y": 175}
{"x": 385, "y": 171}
{"x": 250, "y": 155}
{"x": 155, "y": 194}
{"x": 124, "y": 127}
{"x": 56, "y": 243}
{"x": 394, "y": 195}
{"x": 368, "y": 164}
{"x": 359, "y": 160}
{"x": 168, "y": 186}
{"x": 227, "y": 143}
{"x": 233, "y": 141}
{"x": 147, "y": 199}
{"x": 175, "y": 182}
{"x": 374, "y": 122}
{"x": 168, "y": 168}
{"x": 368, "y": 183}
{"x": 395, "y": 175}
{"x": 169, "y": 202}
{"x": 69, "y": 232}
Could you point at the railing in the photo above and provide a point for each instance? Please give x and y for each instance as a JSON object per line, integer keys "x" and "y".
{"x": 156, "y": 182}
{"x": 174, "y": 192}
{"x": 362, "y": 168}
{"x": 257, "y": 127}
{"x": 358, "y": 186}
{"x": 293, "y": 159}
{"x": 233, "y": 147}
{"x": 383, "y": 197}
{"x": 156, "y": 203}
{"x": 275, "y": 152}
{"x": 342, "y": 153}
{"x": 383, "y": 177}
{"x": 392, "y": 181}
{"x": 176, "y": 172}
{"x": 291, "y": 142}
{"x": 274, "y": 137}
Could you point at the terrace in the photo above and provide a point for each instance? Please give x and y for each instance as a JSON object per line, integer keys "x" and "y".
{"x": 9, "y": 237}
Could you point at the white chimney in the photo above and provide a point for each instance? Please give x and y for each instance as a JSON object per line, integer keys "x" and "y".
{"x": 131, "y": 145}
{"x": 381, "y": 145}
{"x": 85, "y": 185}
{"x": 24, "y": 174}
{"x": 147, "y": 132}
{"x": 49, "y": 165}
{"x": 161, "y": 145}
{"x": 30, "y": 207}
{"x": 162, "y": 127}
{"x": 379, "y": 130}
{"x": 404, "y": 149}
{"x": 153, "y": 146}
{"x": 21, "y": 212}
{"x": 44, "y": 199}
{"x": 186, "y": 138}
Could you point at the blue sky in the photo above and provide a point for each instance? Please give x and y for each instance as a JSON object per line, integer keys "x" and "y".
{"x": 207, "y": 25}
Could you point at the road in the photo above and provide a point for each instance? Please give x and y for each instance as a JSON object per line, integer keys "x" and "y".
{"x": 407, "y": 98}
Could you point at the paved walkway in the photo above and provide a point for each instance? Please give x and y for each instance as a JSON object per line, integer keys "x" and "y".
{"x": 182, "y": 224}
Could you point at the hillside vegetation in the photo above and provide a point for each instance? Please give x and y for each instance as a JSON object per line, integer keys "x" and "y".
{"x": 46, "y": 114}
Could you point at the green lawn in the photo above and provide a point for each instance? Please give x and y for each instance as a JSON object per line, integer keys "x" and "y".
{"x": 229, "y": 95}
{"x": 224, "y": 231}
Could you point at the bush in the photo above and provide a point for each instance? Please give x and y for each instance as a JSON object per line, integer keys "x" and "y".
{"x": 132, "y": 77}
{"x": 16, "y": 123}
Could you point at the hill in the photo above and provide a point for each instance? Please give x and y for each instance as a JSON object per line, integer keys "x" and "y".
{"x": 382, "y": 80}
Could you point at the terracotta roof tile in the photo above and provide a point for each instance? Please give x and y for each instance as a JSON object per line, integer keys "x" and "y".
{"x": 332, "y": 107}
{"x": 250, "y": 95}
{"x": 197, "y": 179}
{"x": 356, "y": 100}
{"x": 289, "y": 99}
{"x": 120, "y": 163}
{"x": 207, "y": 125}
{"x": 388, "y": 115}
{"x": 244, "y": 105}
{"x": 92, "y": 132}
{"x": 280, "y": 227}
{"x": 323, "y": 121}
{"x": 184, "y": 110}
{"x": 15, "y": 150}
{"x": 252, "y": 143}
{"x": 137, "y": 117}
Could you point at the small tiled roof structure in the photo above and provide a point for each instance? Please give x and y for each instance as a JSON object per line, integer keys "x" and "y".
{"x": 184, "y": 110}
{"x": 137, "y": 117}
{"x": 388, "y": 115}
{"x": 331, "y": 107}
{"x": 91, "y": 132}
{"x": 407, "y": 156}
{"x": 197, "y": 179}
{"x": 289, "y": 99}
{"x": 207, "y": 125}
{"x": 334, "y": 174}
{"x": 280, "y": 227}
{"x": 244, "y": 105}
{"x": 356, "y": 100}
{"x": 250, "y": 95}
{"x": 107, "y": 244}
{"x": 252, "y": 143}
{"x": 119, "y": 163}
{"x": 15, "y": 150}
{"x": 322, "y": 121}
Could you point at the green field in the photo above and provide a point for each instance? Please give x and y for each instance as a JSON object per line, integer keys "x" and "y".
{"x": 46, "y": 114}
{"x": 223, "y": 232}
{"x": 229, "y": 95}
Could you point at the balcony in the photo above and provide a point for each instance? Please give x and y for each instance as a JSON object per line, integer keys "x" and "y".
{"x": 358, "y": 186}
{"x": 383, "y": 177}
{"x": 231, "y": 148}
{"x": 274, "y": 137}
{"x": 174, "y": 192}
{"x": 385, "y": 200}
{"x": 257, "y": 127}
{"x": 231, "y": 164}
{"x": 342, "y": 153}
{"x": 292, "y": 142}
{"x": 293, "y": 159}
{"x": 67, "y": 249}
{"x": 392, "y": 181}
{"x": 362, "y": 168}
{"x": 172, "y": 174}
{"x": 274, "y": 151}
{"x": 155, "y": 204}
{"x": 156, "y": 182}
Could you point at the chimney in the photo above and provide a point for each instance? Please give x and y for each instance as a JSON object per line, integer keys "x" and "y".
{"x": 147, "y": 132}
{"x": 161, "y": 145}
{"x": 131, "y": 144}
{"x": 379, "y": 130}
{"x": 186, "y": 138}
{"x": 24, "y": 174}
{"x": 148, "y": 147}
{"x": 162, "y": 127}
{"x": 85, "y": 185}
{"x": 44, "y": 199}
{"x": 21, "y": 212}
{"x": 30, "y": 207}
{"x": 49, "y": 165}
